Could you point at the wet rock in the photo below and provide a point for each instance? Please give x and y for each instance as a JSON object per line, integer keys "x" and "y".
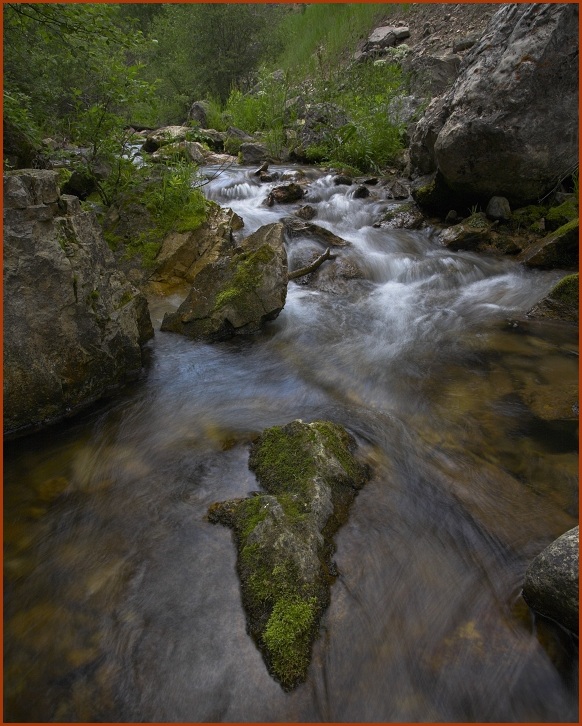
{"x": 253, "y": 153}
{"x": 310, "y": 476}
{"x": 397, "y": 190}
{"x": 237, "y": 293}
{"x": 184, "y": 254}
{"x": 490, "y": 134}
{"x": 343, "y": 179}
{"x": 74, "y": 325}
{"x": 285, "y": 194}
{"x": 561, "y": 303}
{"x": 361, "y": 192}
{"x": 472, "y": 233}
{"x": 558, "y": 249}
{"x": 404, "y": 216}
{"x": 295, "y": 228}
{"x": 551, "y": 581}
{"x": 498, "y": 208}
{"x": 306, "y": 212}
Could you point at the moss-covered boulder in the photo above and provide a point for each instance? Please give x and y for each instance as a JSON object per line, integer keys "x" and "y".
{"x": 559, "y": 249}
{"x": 561, "y": 303}
{"x": 284, "y": 537}
{"x": 479, "y": 234}
{"x": 236, "y": 293}
{"x": 556, "y": 217}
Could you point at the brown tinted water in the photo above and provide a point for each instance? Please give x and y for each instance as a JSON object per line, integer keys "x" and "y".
{"x": 122, "y": 602}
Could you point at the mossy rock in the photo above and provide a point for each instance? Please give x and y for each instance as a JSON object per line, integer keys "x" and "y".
{"x": 284, "y": 537}
{"x": 556, "y": 217}
{"x": 561, "y": 303}
{"x": 559, "y": 249}
{"x": 530, "y": 218}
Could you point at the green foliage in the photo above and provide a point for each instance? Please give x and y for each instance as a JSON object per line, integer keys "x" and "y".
{"x": 315, "y": 39}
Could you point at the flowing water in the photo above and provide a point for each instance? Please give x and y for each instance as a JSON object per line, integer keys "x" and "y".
{"x": 122, "y": 602}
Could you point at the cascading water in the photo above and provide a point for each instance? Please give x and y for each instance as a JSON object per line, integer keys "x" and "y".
{"x": 122, "y": 601}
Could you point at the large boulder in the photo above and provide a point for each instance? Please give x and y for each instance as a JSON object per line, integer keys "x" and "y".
{"x": 184, "y": 254}
{"x": 310, "y": 477}
{"x": 551, "y": 581}
{"x": 73, "y": 324}
{"x": 165, "y": 135}
{"x": 253, "y": 153}
{"x": 491, "y": 133}
{"x": 198, "y": 113}
{"x": 238, "y": 292}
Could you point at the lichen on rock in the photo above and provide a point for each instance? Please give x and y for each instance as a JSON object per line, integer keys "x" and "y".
{"x": 284, "y": 535}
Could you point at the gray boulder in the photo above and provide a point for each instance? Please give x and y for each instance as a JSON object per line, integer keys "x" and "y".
{"x": 498, "y": 208}
{"x": 491, "y": 133}
{"x": 198, "y": 113}
{"x": 551, "y": 581}
{"x": 254, "y": 153}
{"x": 73, "y": 324}
{"x": 236, "y": 293}
{"x": 430, "y": 75}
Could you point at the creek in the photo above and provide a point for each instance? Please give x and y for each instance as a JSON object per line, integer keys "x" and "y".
{"x": 122, "y": 602}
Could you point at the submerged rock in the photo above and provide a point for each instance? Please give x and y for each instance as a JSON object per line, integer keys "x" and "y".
{"x": 551, "y": 581}
{"x": 283, "y": 535}
{"x": 236, "y": 293}
{"x": 73, "y": 324}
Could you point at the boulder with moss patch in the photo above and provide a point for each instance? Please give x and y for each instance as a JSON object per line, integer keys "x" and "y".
{"x": 559, "y": 249}
{"x": 284, "y": 537}
{"x": 561, "y": 303}
{"x": 238, "y": 292}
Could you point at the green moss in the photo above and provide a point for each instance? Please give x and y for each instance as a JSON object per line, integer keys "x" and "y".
{"x": 567, "y": 231}
{"x": 567, "y": 290}
{"x": 113, "y": 240}
{"x": 528, "y": 218}
{"x": 283, "y": 461}
{"x": 126, "y": 298}
{"x": 562, "y": 214}
{"x": 287, "y": 638}
{"x": 249, "y": 272}
{"x": 251, "y": 512}
{"x": 232, "y": 145}
{"x": 339, "y": 442}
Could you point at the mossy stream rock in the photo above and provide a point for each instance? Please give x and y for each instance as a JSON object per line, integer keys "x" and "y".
{"x": 558, "y": 249}
{"x": 561, "y": 303}
{"x": 238, "y": 292}
{"x": 283, "y": 535}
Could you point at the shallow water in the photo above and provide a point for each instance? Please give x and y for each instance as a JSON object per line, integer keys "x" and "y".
{"x": 122, "y": 602}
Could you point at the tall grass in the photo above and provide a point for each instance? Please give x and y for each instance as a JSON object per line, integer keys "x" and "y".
{"x": 318, "y": 36}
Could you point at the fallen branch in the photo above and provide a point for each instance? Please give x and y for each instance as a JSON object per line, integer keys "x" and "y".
{"x": 313, "y": 266}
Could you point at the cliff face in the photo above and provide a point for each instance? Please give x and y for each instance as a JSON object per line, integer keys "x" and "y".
{"x": 73, "y": 324}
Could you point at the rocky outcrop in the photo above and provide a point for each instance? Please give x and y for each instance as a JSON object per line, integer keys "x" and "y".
{"x": 491, "y": 133}
{"x": 198, "y": 113}
{"x": 73, "y": 324}
{"x": 551, "y": 581}
{"x": 561, "y": 303}
{"x": 236, "y": 293}
{"x": 558, "y": 249}
{"x": 184, "y": 254}
{"x": 310, "y": 477}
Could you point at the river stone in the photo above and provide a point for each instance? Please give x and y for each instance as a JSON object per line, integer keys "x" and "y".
{"x": 73, "y": 324}
{"x": 491, "y": 133}
{"x": 310, "y": 477}
{"x": 551, "y": 581}
{"x": 285, "y": 194}
{"x": 561, "y": 303}
{"x": 236, "y": 293}
{"x": 184, "y": 254}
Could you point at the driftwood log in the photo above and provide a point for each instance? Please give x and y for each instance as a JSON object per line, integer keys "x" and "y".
{"x": 313, "y": 266}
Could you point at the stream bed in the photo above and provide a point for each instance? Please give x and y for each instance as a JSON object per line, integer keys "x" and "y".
{"x": 122, "y": 602}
